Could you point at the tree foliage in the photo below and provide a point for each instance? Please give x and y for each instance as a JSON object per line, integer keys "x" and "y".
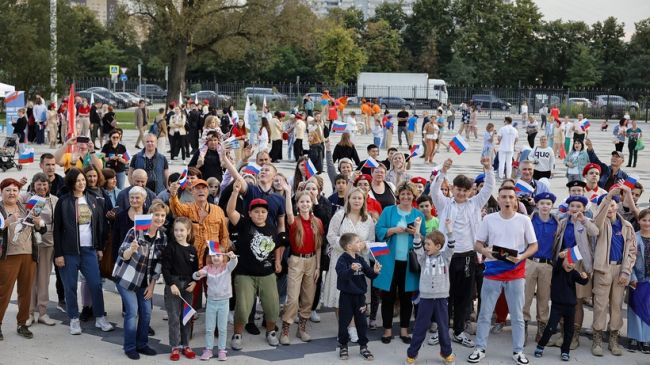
{"x": 340, "y": 57}
{"x": 584, "y": 70}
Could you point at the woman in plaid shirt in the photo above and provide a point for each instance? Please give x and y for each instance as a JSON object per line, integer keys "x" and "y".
{"x": 136, "y": 271}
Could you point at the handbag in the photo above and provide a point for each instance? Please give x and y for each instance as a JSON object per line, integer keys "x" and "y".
{"x": 414, "y": 264}
{"x": 640, "y": 146}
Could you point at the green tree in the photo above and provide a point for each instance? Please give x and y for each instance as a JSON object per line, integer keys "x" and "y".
{"x": 459, "y": 72}
{"x": 393, "y": 13}
{"x": 607, "y": 44}
{"x": 637, "y": 75}
{"x": 521, "y": 23}
{"x": 584, "y": 70}
{"x": 350, "y": 18}
{"x": 556, "y": 47}
{"x": 427, "y": 60}
{"x": 431, "y": 17}
{"x": 100, "y": 55}
{"x": 382, "y": 46}
{"x": 341, "y": 59}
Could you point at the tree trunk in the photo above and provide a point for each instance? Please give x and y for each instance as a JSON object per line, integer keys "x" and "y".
{"x": 177, "y": 70}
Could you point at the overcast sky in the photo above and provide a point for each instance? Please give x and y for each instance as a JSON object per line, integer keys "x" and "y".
{"x": 591, "y": 11}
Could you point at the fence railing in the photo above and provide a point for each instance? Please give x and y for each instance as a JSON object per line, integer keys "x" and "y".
{"x": 496, "y": 101}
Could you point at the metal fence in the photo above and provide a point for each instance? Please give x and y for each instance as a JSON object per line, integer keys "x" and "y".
{"x": 491, "y": 100}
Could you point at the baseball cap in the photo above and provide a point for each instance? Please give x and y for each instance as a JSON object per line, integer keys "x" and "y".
{"x": 258, "y": 203}
{"x": 198, "y": 182}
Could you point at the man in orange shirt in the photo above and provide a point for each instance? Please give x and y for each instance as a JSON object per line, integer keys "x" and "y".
{"x": 366, "y": 111}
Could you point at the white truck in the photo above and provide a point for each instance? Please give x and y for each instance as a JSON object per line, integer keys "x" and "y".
{"x": 410, "y": 86}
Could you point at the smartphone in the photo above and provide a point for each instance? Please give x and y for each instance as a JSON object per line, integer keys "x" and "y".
{"x": 410, "y": 225}
{"x": 83, "y": 139}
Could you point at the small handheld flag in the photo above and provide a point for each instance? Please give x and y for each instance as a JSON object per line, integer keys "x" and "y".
{"x": 188, "y": 312}
{"x": 214, "y": 248}
{"x": 523, "y": 187}
{"x": 34, "y": 201}
{"x": 182, "y": 180}
{"x": 143, "y": 222}
{"x": 338, "y": 126}
{"x": 573, "y": 255}
{"x": 416, "y": 150}
{"x": 26, "y": 157}
{"x": 378, "y": 248}
{"x": 371, "y": 163}
{"x": 126, "y": 156}
{"x": 458, "y": 144}
{"x": 563, "y": 208}
{"x": 252, "y": 168}
{"x": 585, "y": 125}
{"x": 630, "y": 182}
{"x": 310, "y": 169}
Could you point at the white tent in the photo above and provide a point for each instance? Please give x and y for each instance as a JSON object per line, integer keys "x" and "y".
{"x": 5, "y": 88}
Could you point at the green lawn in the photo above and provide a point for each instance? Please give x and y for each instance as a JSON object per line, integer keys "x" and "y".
{"x": 126, "y": 118}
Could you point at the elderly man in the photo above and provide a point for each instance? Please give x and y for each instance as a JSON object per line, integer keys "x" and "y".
{"x": 611, "y": 174}
{"x": 527, "y": 170}
{"x": 138, "y": 178}
{"x": 153, "y": 163}
{"x": 83, "y": 155}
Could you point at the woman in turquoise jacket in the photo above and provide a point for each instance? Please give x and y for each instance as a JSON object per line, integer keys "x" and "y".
{"x": 396, "y": 280}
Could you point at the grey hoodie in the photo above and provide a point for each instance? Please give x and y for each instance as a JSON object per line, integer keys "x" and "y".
{"x": 434, "y": 276}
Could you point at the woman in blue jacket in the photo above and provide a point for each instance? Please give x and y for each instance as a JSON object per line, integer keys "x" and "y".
{"x": 396, "y": 280}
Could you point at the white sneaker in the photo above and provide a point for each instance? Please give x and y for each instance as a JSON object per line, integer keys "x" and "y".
{"x": 476, "y": 356}
{"x": 165, "y": 316}
{"x": 231, "y": 317}
{"x": 354, "y": 337}
{"x": 272, "y": 338}
{"x": 433, "y": 339}
{"x": 102, "y": 323}
{"x": 30, "y": 320}
{"x": 520, "y": 358}
{"x": 46, "y": 320}
{"x": 463, "y": 339}
{"x": 75, "y": 326}
{"x": 314, "y": 317}
{"x": 236, "y": 342}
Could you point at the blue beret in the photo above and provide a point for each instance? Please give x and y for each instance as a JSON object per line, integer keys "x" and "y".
{"x": 577, "y": 198}
{"x": 545, "y": 196}
{"x": 479, "y": 178}
{"x": 616, "y": 198}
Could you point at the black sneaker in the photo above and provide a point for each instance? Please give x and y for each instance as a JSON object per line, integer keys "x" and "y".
{"x": 252, "y": 328}
{"x": 151, "y": 331}
{"x": 23, "y": 331}
{"x": 133, "y": 355}
{"x": 147, "y": 351}
{"x": 86, "y": 314}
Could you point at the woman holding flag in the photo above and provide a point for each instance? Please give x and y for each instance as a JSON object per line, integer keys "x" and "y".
{"x": 18, "y": 253}
{"x": 136, "y": 271}
{"x": 116, "y": 157}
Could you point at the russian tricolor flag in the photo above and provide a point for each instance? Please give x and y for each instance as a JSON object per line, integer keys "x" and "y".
{"x": 33, "y": 201}
{"x": 564, "y": 207}
{"x": 378, "y": 248}
{"x": 310, "y": 169}
{"x": 214, "y": 248}
{"x": 182, "y": 180}
{"x": 188, "y": 312}
{"x": 252, "y": 168}
{"x": 573, "y": 255}
{"x": 458, "y": 144}
{"x": 26, "y": 157}
{"x": 126, "y": 156}
{"x": 585, "y": 125}
{"x": 630, "y": 181}
{"x": 523, "y": 187}
{"x": 143, "y": 222}
{"x": 338, "y": 127}
{"x": 371, "y": 163}
{"x": 417, "y": 150}
{"x": 504, "y": 271}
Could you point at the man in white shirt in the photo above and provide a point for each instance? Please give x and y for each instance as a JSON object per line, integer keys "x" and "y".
{"x": 507, "y": 274}
{"x": 465, "y": 213}
{"x": 578, "y": 132}
{"x": 508, "y": 137}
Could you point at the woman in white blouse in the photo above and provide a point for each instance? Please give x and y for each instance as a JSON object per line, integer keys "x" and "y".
{"x": 354, "y": 218}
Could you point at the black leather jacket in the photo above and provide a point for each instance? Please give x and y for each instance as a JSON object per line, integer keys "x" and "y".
{"x": 66, "y": 230}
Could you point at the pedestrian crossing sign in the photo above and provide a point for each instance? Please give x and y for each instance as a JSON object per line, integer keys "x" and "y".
{"x": 114, "y": 70}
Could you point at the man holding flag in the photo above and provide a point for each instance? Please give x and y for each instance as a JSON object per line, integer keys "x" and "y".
{"x": 611, "y": 174}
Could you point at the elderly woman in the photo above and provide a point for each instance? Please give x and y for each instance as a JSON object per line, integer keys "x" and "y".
{"x": 382, "y": 191}
{"x": 78, "y": 244}
{"x": 124, "y": 219}
{"x": 397, "y": 172}
{"x": 18, "y": 254}
{"x": 136, "y": 272}
{"x": 45, "y": 242}
{"x": 353, "y": 218}
{"x": 397, "y": 280}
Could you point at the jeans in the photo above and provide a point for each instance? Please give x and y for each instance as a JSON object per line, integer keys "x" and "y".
{"x": 121, "y": 178}
{"x": 290, "y": 147}
{"x": 631, "y": 147}
{"x": 136, "y": 332}
{"x": 216, "y": 313}
{"x": 87, "y": 263}
{"x": 401, "y": 130}
{"x": 376, "y": 141}
{"x": 515, "y": 296}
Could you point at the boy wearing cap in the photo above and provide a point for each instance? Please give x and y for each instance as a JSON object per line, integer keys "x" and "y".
{"x": 577, "y": 230}
{"x": 539, "y": 267}
{"x": 609, "y": 174}
{"x": 614, "y": 257}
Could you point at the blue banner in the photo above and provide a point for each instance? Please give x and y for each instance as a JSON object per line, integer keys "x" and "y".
{"x": 13, "y": 101}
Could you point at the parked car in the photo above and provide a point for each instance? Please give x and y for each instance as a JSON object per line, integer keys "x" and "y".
{"x": 97, "y": 97}
{"x": 486, "y": 101}
{"x": 216, "y": 100}
{"x": 151, "y": 91}
{"x": 616, "y": 103}
{"x": 257, "y": 94}
{"x": 395, "y": 102}
{"x": 133, "y": 100}
{"x": 580, "y": 102}
{"x": 122, "y": 102}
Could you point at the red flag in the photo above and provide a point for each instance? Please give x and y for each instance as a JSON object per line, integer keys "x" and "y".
{"x": 72, "y": 111}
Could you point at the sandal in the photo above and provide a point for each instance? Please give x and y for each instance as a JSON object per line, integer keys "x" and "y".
{"x": 366, "y": 353}
{"x": 343, "y": 353}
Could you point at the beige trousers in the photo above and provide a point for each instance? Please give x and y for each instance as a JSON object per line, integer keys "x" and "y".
{"x": 608, "y": 293}
{"x": 301, "y": 288}
{"x": 538, "y": 276}
{"x": 40, "y": 292}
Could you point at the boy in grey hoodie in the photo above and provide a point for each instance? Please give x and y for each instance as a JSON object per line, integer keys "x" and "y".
{"x": 434, "y": 292}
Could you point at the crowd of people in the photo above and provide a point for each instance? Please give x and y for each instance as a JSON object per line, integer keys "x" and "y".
{"x": 231, "y": 230}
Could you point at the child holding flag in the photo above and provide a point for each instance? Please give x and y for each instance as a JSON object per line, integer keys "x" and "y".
{"x": 218, "y": 271}
{"x": 563, "y": 298}
{"x": 179, "y": 262}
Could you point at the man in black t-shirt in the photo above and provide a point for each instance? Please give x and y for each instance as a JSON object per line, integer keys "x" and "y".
{"x": 402, "y": 119}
